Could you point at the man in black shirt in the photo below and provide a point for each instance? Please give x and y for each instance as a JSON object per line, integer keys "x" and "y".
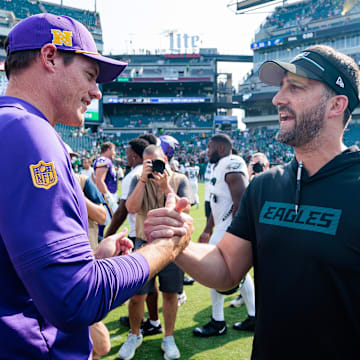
{"x": 298, "y": 223}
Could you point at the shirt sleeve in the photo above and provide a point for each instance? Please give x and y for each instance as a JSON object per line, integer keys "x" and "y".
{"x": 185, "y": 190}
{"x": 102, "y": 162}
{"x": 236, "y": 165}
{"x": 133, "y": 184}
{"x": 125, "y": 187}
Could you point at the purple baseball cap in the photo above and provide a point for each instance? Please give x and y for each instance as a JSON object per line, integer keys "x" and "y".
{"x": 66, "y": 34}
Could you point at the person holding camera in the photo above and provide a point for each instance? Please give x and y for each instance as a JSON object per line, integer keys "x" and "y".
{"x": 149, "y": 191}
{"x": 258, "y": 163}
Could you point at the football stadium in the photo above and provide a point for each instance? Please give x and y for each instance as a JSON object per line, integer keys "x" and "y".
{"x": 185, "y": 96}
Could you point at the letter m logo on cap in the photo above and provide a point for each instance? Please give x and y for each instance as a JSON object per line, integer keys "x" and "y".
{"x": 62, "y": 37}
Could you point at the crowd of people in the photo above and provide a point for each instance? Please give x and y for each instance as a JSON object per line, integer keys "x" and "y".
{"x": 297, "y": 16}
{"x": 296, "y": 224}
{"x": 194, "y": 150}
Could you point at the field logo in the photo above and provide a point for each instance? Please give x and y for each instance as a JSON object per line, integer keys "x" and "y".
{"x": 43, "y": 175}
{"x": 62, "y": 37}
{"x": 310, "y": 218}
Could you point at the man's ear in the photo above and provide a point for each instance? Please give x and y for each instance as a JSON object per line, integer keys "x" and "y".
{"x": 338, "y": 105}
{"x": 49, "y": 56}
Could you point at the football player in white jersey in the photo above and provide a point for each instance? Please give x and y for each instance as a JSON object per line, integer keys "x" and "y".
{"x": 192, "y": 172}
{"x": 229, "y": 179}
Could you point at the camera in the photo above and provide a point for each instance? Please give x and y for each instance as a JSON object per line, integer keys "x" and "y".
{"x": 158, "y": 166}
{"x": 258, "y": 167}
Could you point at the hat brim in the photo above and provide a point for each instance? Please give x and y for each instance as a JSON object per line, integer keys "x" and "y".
{"x": 272, "y": 72}
{"x": 109, "y": 69}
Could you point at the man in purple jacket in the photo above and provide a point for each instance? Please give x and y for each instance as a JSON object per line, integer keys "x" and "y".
{"x": 54, "y": 286}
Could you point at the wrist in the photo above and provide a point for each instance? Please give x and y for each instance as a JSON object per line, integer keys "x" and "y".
{"x": 167, "y": 190}
{"x": 141, "y": 179}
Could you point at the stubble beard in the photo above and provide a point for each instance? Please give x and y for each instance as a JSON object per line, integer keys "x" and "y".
{"x": 307, "y": 127}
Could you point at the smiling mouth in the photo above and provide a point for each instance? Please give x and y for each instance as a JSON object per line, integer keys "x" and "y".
{"x": 286, "y": 117}
{"x": 85, "y": 105}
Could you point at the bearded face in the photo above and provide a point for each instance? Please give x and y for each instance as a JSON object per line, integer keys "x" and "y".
{"x": 307, "y": 124}
{"x": 213, "y": 152}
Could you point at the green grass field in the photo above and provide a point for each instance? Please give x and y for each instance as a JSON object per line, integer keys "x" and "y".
{"x": 195, "y": 312}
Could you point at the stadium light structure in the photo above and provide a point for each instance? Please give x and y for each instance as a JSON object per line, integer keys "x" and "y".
{"x": 247, "y": 6}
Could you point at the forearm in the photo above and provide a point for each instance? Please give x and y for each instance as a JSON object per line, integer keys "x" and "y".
{"x": 118, "y": 218}
{"x": 84, "y": 295}
{"x": 134, "y": 201}
{"x": 205, "y": 235}
{"x": 102, "y": 186}
{"x": 95, "y": 212}
{"x": 160, "y": 253}
{"x": 206, "y": 264}
{"x": 209, "y": 225}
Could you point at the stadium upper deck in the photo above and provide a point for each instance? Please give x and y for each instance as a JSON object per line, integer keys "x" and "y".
{"x": 12, "y": 11}
{"x": 167, "y": 92}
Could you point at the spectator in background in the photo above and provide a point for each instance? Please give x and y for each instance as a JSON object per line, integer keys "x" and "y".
{"x": 87, "y": 169}
{"x": 134, "y": 153}
{"x": 152, "y": 325}
{"x": 258, "y": 163}
{"x": 168, "y": 145}
{"x": 150, "y": 138}
{"x": 119, "y": 172}
{"x": 148, "y": 192}
{"x": 192, "y": 172}
{"x": 175, "y": 166}
{"x": 134, "y": 156}
{"x": 106, "y": 179}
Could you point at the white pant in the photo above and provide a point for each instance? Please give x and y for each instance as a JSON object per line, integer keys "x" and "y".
{"x": 247, "y": 288}
{"x": 194, "y": 186}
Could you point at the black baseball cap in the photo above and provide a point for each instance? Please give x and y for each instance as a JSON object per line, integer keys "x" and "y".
{"x": 315, "y": 66}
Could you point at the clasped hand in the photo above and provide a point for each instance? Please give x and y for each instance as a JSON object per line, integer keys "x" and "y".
{"x": 169, "y": 221}
{"x": 114, "y": 245}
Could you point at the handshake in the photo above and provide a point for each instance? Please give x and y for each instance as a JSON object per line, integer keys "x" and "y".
{"x": 170, "y": 222}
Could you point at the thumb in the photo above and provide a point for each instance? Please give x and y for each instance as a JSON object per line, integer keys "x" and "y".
{"x": 123, "y": 232}
{"x": 170, "y": 201}
{"x": 181, "y": 205}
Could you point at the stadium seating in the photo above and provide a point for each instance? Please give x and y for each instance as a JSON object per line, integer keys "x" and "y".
{"x": 352, "y": 135}
{"x": 25, "y": 8}
{"x": 299, "y": 14}
{"x": 88, "y": 18}
{"x": 144, "y": 120}
{"x": 21, "y": 8}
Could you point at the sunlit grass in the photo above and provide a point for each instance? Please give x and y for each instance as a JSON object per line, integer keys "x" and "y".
{"x": 195, "y": 312}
